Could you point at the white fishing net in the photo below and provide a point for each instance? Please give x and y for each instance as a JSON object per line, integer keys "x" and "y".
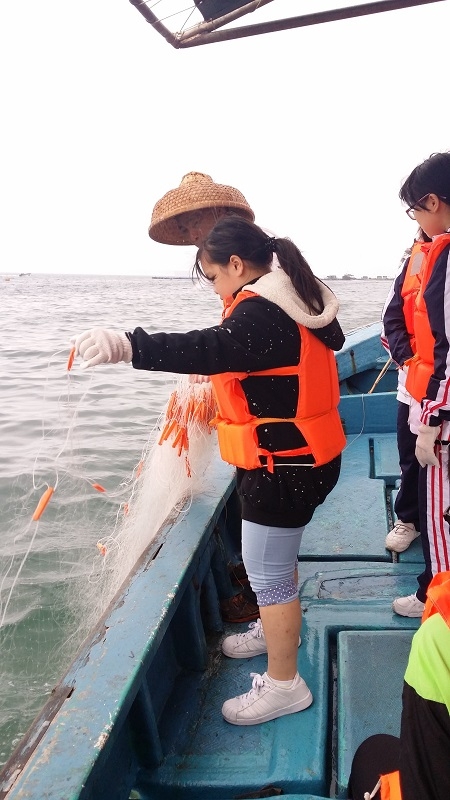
{"x": 77, "y": 522}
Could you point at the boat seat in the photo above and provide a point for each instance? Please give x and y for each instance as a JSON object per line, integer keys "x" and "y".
{"x": 350, "y": 525}
{"x": 371, "y": 666}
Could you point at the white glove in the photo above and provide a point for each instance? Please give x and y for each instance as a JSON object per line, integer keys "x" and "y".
{"x": 426, "y": 438}
{"x": 102, "y": 346}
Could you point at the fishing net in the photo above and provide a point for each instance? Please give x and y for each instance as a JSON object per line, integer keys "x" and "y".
{"x": 75, "y": 531}
{"x": 163, "y": 484}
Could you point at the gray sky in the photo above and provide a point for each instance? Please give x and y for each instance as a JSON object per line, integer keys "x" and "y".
{"x": 316, "y": 126}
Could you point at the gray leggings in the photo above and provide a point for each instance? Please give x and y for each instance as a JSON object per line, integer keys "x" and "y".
{"x": 270, "y": 558}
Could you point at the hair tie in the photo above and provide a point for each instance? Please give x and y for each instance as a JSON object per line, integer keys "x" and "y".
{"x": 271, "y": 244}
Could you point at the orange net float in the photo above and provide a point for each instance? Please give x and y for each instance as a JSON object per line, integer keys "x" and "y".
{"x": 179, "y": 437}
{"x": 98, "y": 487}
{"x": 171, "y": 404}
{"x": 71, "y": 359}
{"x": 41, "y": 506}
{"x": 198, "y": 409}
{"x": 168, "y": 429}
{"x": 102, "y": 548}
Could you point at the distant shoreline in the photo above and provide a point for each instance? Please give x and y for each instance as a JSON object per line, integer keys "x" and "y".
{"x": 325, "y": 278}
{"x": 10, "y": 275}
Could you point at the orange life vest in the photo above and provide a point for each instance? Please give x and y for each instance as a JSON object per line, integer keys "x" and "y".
{"x": 421, "y": 365}
{"x": 389, "y": 786}
{"x": 411, "y": 285}
{"x": 438, "y": 597}
{"x": 316, "y": 417}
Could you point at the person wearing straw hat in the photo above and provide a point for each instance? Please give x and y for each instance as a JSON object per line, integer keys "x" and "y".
{"x": 185, "y": 216}
{"x": 275, "y": 381}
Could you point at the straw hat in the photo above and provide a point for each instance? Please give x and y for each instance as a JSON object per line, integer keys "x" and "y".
{"x": 195, "y": 191}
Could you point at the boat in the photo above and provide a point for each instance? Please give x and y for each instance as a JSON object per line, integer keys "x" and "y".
{"x": 137, "y": 714}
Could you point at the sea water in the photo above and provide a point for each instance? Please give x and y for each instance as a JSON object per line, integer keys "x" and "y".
{"x": 77, "y": 428}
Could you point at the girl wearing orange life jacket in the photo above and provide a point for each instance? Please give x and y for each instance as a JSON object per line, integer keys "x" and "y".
{"x": 397, "y": 336}
{"x": 427, "y": 193}
{"x": 274, "y": 374}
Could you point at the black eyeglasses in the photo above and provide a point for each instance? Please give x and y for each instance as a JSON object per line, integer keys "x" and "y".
{"x": 411, "y": 211}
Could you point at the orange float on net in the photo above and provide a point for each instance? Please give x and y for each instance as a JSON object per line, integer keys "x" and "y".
{"x": 178, "y": 437}
{"x": 40, "y": 508}
{"x": 102, "y": 548}
{"x": 70, "y": 359}
{"x": 171, "y": 405}
{"x": 168, "y": 429}
{"x": 98, "y": 487}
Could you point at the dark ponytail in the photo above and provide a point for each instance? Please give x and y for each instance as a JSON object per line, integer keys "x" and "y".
{"x": 233, "y": 235}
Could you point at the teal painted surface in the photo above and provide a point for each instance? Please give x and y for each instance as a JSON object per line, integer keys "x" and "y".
{"x": 370, "y": 413}
{"x": 362, "y": 351}
{"x": 371, "y": 665}
{"x": 353, "y": 522}
{"x": 385, "y": 458}
{"x": 143, "y": 716}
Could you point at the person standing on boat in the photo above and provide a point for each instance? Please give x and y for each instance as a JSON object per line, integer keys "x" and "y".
{"x": 274, "y": 374}
{"x": 397, "y": 336}
{"x": 184, "y": 216}
{"x": 427, "y": 194}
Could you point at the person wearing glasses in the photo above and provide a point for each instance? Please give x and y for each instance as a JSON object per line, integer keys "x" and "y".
{"x": 397, "y": 336}
{"x": 426, "y": 191}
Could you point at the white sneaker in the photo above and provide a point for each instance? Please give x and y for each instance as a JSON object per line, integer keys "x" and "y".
{"x": 401, "y": 536}
{"x": 409, "y": 606}
{"x": 248, "y": 644}
{"x": 266, "y": 701}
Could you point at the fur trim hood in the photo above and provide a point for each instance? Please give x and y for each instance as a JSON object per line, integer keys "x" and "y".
{"x": 276, "y": 286}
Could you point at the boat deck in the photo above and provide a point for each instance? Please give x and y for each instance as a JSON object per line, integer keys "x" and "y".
{"x": 354, "y": 652}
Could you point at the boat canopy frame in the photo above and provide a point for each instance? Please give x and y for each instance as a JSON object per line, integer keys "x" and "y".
{"x": 208, "y": 32}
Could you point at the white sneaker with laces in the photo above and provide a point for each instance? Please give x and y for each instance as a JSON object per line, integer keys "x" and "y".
{"x": 266, "y": 701}
{"x": 401, "y": 536}
{"x": 248, "y": 644}
{"x": 409, "y": 606}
